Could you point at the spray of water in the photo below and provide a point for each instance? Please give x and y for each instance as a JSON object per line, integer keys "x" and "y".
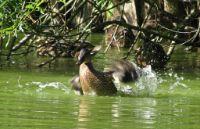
{"x": 145, "y": 85}
{"x": 149, "y": 81}
{"x": 57, "y": 85}
{"x": 177, "y": 80}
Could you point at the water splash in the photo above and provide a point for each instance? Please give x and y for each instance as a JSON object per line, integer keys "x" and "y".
{"x": 177, "y": 81}
{"x": 148, "y": 82}
{"x": 57, "y": 85}
{"x": 18, "y": 81}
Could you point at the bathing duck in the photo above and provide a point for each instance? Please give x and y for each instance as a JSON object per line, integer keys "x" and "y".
{"x": 92, "y": 80}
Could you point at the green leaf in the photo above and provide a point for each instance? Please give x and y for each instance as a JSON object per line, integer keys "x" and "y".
{"x": 2, "y": 4}
{"x": 109, "y": 13}
{"x": 63, "y": 1}
{"x": 29, "y": 6}
{"x": 38, "y": 4}
{"x": 41, "y": 10}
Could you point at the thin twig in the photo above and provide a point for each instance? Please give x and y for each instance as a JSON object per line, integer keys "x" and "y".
{"x": 138, "y": 34}
{"x": 22, "y": 42}
{"x": 12, "y": 41}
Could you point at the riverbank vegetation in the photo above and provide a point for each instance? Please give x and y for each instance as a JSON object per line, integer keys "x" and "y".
{"x": 150, "y": 29}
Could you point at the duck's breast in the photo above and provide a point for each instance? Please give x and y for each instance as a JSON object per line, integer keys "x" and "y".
{"x": 92, "y": 80}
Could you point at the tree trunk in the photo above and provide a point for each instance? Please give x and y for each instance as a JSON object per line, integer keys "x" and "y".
{"x": 131, "y": 12}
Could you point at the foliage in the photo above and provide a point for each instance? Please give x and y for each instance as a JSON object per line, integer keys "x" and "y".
{"x": 43, "y": 21}
{"x": 9, "y": 15}
{"x": 54, "y": 27}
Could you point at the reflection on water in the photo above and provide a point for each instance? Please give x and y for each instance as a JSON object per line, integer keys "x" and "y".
{"x": 84, "y": 114}
{"x": 60, "y": 110}
{"x": 136, "y": 113}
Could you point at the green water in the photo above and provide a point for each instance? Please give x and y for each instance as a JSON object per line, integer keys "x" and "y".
{"x": 43, "y": 99}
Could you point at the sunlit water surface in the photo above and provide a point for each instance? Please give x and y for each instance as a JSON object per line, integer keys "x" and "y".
{"x": 41, "y": 99}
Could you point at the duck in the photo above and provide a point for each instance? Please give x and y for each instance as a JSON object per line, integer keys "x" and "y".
{"x": 89, "y": 79}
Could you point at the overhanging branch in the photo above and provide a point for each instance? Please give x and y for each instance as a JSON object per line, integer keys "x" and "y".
{"x": 152, "y": 31}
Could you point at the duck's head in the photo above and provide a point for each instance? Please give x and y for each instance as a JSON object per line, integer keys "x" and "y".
{"x": 85, "y": 54}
